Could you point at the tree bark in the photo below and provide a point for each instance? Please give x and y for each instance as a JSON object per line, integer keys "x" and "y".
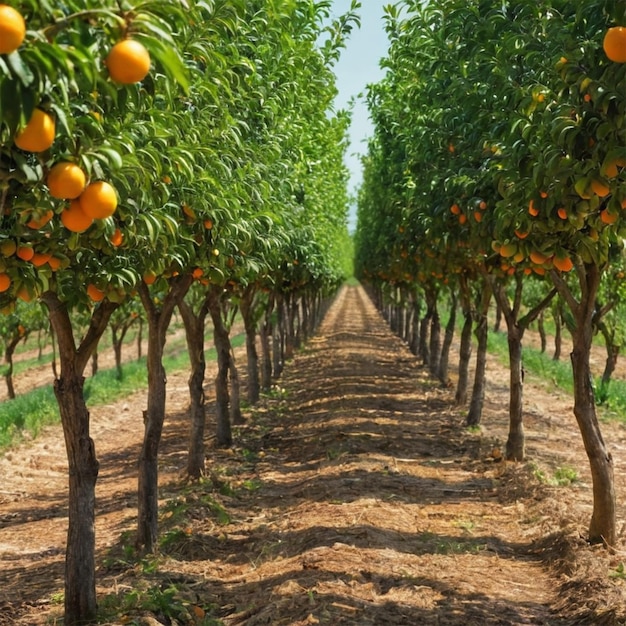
{"x": 235, "y": 390}
{"x": 465, "y": 347}
{"x": 475, "y": 412}
{"x": 444, "y": 359}
{"x": 83, "y": 466}
{"x": 542, "y": 333}
{"x": 194, "y": 323}
{"x": 154, "y": 415}
{"x": 602, "y": 527}
{"x": 222, "y": 347}
{"x": 558, "y": 332}
{"x": 8, "y": 359}
{"x": 249, "y": 314}
{"x": 435, "y": 339}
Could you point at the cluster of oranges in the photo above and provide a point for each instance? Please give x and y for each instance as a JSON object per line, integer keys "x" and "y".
{"x": 127, "y": 62}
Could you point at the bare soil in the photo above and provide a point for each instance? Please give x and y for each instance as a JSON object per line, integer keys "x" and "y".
{"x": 353, "y": 495}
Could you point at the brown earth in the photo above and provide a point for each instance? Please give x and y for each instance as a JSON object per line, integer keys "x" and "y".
{"x": 353, "y": 496}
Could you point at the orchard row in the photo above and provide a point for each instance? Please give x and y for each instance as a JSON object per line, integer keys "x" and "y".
{"x": 498, "y": 170}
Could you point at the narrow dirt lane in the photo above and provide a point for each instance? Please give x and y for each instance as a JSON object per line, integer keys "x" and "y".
{"x": 372, "y": 509}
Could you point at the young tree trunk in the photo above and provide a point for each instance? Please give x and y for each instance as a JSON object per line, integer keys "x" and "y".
{"x": 266, "y": 351}
{"x": 475, "y": 412}
{"x": 117, "y": 353}
{"x": 442, "y": 373}
{"x": 8, "y": 359}
{"x": 194, "y": 334}
{"x": 94, "y": 363}
{"x": 247, "y": 308}
{"x": 415, "y": 326}
{"x": 435, "y": 340}
{"x": 465, "y": 346}
{"x": 140, "y": 339}
{"x": 602, "y": 527}
{"x": 222, "y": 347}
{"x": 154, "y": 415}
{"x": 542, "y": 333}
{"x": 498, "y": 321}
{"x": 80, "y": 571}
{"x": 424, "y": 337}
{"x": 235, "y": 391}
{"x": 558, "y": 332}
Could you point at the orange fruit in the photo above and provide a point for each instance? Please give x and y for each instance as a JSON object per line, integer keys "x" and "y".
{"x": 607, "y": 217}
{"x": 520, "y": 234}
{"x": 39, "y": 222}
{"x": 25, "y": 252}
{"x": 614, "y": 44}
{"x": 462, "y": 218}
{"x": 482, "y": 205}
{"x": 38, "y": 134}
{"x": 12, "y": 29}
{"x": 24, "y": 294}
{"x": 563, "y": 263}
{"x": 149, "y": 277}
{"x": 8, "y": 247}
{"x": 54, "y": 263}
{"x": 66, "y": 180}
{"x": 97, "y": 295}
{"x": 455, "y": 209}
{"x": 208, "y": 224}
{"x": 99, "y": 200}
{"x": 75, "y": 219}
{"x": 611, "y": 170}
{"x": 562, "y": 213}
{"x": 5, "y": 282}
{"x": 197, "y": 272}
{"x": 599, "y": 188}
{"x": 532, "y": 209}
{"x": 478, "y": 216}
{"x": 128, "y": 62}
{"x": 543, "y": 194}
{"x": 508, "y": 250}
{"x": 117, "y": 238}
{"x": 40, "y": 258}
{"x": 538, "y": 257}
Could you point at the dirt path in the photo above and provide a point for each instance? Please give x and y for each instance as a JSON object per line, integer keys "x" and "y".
{"x": 354, "y": 496}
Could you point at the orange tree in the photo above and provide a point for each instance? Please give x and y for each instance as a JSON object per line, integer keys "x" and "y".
{"x": 60, "y": 238}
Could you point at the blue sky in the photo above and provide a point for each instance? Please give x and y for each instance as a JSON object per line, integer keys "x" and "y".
{"x": 359, "y": 65}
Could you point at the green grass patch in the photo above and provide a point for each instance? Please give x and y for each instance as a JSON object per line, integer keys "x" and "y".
{"x": 30, "y": 412}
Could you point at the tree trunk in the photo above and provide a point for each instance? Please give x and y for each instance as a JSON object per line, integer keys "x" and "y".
{"x": 424, "y": 338}
{"x": 435, "y": 339}
{"x": 542, "y": 333}
{"x": 465, "y": 347}
{"x": 442, "y": 374}
{"x": 266, "y": 351}
{"x": 515, "y": 444}
{"x": 247, "y": 308}
{"x": 222, "y": 347}
{"x": 94, "y": 363}
{"x": 558, "y": 332}
{"x": 154, "y": 415}
{"x": 80, "y": 572}
{"x": 235, "y": 390}
{"x": 475, "y": 412}
{"x": 117, "y": 352}
{"x": 8, "y": 359}
{"x": 194, "y": 334}
{"x": 602, "y": 527}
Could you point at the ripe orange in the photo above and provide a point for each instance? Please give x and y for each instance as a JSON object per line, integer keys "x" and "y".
{"x": 39, "y": 222}
{"x": 149, "y": 277}
{"x": 197, "y": 272}
{"x": 455, "y": 209}
{"x": 66, "y": 180}
{"x": 99, "y": 200}
{"x": 12, "y": 29}
{"x": 208, "y": 224}
{"x": 128, "y": 62}
{"x": 5, "y": 282}
{"x": 614, "y": 44}
{"x": 562, "y": 213}
{"x": 38, "y": 134}
{"x": 599, "y": 188}
{"x": 483, "y": 205}
{"x": 612, "y": 168}
{"x": 478, "y": 216}
{"x": 508, "y": 250}
{"x": 534, "y": 211}
{"x": 54, "y": 263}
{"x": 608, "y": 217}
{"x": 74, "y": 218}
{"x": 462, "y": 218}
{"x": 563, "y": 263}
{"x": 25, "y": 252}
{"x": 24, "y": 294}
{"x": 97, "y": 295}
{"x": 520, "y": 234}
{"x": 117, "y": 238}
{"x": 543, "y": 194}
{"x": 538, "y": 257}
{"x": 40, "y": 258}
